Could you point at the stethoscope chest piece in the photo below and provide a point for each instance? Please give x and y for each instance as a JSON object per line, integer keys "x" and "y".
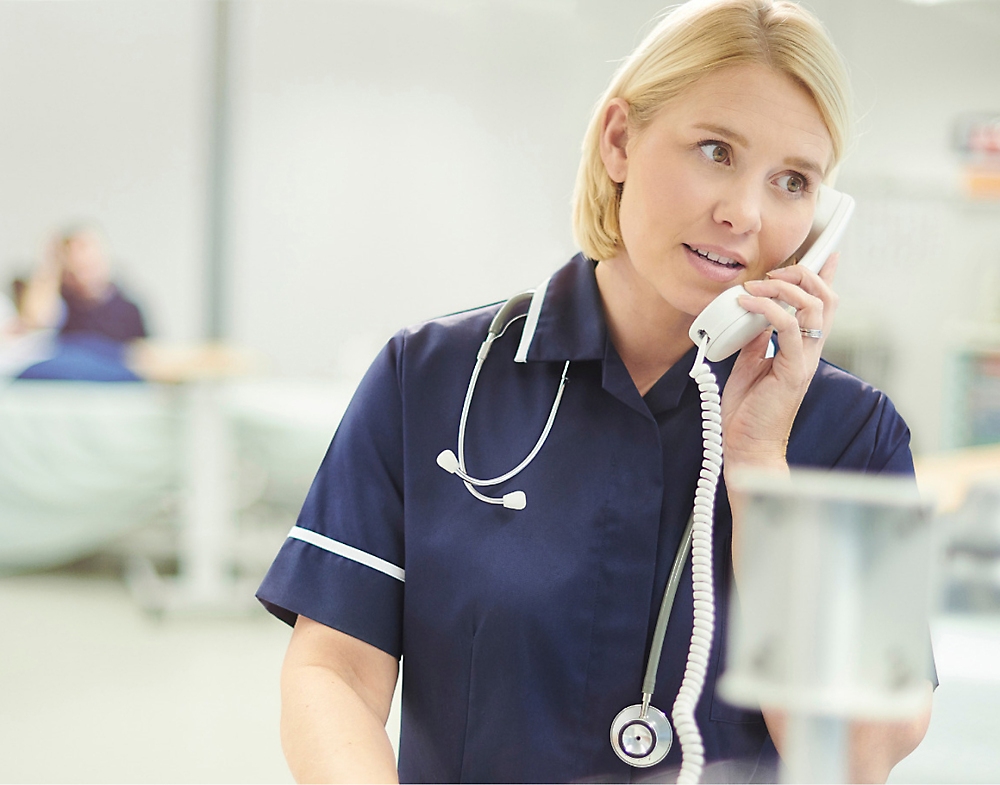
{"x": 641, "y": 738}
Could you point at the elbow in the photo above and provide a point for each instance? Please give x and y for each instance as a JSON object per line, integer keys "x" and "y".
{"x": 876, "y": 747}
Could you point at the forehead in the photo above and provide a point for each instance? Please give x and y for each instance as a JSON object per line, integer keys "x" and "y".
{"x": 85, "y": 239}
{"x": 768, "y": 110}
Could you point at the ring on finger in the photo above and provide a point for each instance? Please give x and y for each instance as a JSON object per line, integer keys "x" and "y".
{"x": 808, "y": 333}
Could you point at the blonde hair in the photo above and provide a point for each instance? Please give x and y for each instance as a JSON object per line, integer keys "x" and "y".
{"x": 695, "y": 39}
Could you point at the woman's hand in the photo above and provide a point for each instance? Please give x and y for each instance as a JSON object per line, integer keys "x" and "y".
{"x": 41, "y": 300}
{"x": 762, "y": 396}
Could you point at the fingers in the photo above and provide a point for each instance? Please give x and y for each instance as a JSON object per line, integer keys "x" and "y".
{"x": 784, "y": 323}
{"x": 794, "y": 298}
{"x": 808, "y": 307}
{"x": 795, "y": 285}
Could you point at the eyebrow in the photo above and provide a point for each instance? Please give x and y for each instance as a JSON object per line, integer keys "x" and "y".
{"x": 794, "y": 161}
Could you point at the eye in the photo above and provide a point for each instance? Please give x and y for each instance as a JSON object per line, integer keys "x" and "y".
{"x": 715, "y": 151}
{"x": 793, "y": 183}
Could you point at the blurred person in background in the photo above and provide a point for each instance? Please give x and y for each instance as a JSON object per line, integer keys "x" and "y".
{"x": 73, "y": 290}
{"x": 73, "y": 293}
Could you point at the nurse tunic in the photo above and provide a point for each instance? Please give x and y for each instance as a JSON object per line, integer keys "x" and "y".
{"x": 523, "y": 633}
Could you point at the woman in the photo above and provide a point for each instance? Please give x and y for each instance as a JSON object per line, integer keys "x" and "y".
{"x": 525, "y": 631}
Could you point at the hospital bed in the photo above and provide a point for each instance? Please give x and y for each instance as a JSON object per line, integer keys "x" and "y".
{"x": 83, "y": 465}
{"x": 80, "y": 464}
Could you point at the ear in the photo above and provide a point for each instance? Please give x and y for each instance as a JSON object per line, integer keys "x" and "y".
{"x": 614, "y": 139}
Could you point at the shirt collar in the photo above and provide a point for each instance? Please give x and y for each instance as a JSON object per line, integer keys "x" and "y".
{"x": 571, "y": 326}
{"x": 571, "y": 321}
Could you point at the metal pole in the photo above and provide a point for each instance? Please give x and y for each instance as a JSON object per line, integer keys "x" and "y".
{"x": 816, "y": 749}
{"x": 217, "y": 266}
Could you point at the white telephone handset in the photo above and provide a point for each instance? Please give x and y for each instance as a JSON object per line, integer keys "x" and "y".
{"x": 728, "y": 326}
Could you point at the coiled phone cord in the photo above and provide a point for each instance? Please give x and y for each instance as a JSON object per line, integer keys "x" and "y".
{"x": 692, "y": 748}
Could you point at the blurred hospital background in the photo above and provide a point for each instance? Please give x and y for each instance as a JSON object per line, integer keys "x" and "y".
{"x": 279, "y": 185}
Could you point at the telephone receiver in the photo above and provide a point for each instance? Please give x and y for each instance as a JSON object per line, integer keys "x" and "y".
{"x": 727, "y": 324}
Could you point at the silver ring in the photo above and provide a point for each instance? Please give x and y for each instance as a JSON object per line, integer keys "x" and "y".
{"x": 811, "y": 333}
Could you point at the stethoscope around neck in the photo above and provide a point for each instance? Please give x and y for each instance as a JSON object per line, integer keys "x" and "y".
{"x": 514, "y": 500}
{"x": 641, "y": 735}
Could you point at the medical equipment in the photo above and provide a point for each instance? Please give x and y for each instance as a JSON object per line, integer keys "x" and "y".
{"x": 640, "y": 734}
{"x": 831, "y": 622}
{"x": 514, "y": 500}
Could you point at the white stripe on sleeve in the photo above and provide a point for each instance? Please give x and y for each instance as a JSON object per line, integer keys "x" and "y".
{"x": 313, "y": 538}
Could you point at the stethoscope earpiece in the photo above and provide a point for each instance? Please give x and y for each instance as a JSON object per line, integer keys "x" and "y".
{"x": 515, "y": 500}
{"x": 446, "y": 460}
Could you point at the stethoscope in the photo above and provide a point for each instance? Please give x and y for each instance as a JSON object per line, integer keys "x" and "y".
{"x": 641, "y": 734}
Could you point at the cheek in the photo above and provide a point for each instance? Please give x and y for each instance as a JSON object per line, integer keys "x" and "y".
{"x": 653, "y": 210}
{"x": 784, "y": 239}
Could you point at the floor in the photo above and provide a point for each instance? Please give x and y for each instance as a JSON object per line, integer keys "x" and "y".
{"x": 94, "y": 690}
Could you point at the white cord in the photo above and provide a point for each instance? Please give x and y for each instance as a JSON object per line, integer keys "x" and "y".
{"x": 692, "y": 748}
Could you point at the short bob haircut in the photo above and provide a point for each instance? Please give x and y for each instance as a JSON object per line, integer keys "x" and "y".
{"x": 695, "y": 39}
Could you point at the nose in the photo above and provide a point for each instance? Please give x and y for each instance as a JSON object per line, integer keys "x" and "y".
{"x": 739, "y": 208}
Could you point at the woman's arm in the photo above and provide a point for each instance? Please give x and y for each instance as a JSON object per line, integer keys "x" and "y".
{"x": 761, "y": 400}
{"x": 335, "y": 697}
{"x": 874, "y": 747}
{"x": 40, "y": 301}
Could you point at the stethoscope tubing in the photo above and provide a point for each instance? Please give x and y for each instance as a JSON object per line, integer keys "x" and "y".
{"x": 666, "y": 604}
{"x": 469, "y": 480}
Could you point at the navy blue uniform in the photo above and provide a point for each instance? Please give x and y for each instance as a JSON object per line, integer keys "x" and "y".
{"x": 525, "y": 632}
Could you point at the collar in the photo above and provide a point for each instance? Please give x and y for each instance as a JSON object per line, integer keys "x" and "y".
{"x": 570, "y": 322}
{"x": 570, "y": 326}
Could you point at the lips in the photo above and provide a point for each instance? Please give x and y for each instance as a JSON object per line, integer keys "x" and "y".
{"x": 713, "y": 265}
{"x": 715, "y": 258}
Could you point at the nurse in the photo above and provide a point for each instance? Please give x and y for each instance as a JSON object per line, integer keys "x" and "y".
{"x": 524, "y": 632}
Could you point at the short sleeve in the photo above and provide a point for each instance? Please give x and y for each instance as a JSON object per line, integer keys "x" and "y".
{"x": 342, "y": 564}
{"x": 135, "y": 326}
{"x": 882, "y": 444}
{"x": 846, "y": 424}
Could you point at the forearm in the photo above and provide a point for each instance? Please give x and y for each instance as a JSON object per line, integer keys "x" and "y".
{"x": 874, "y": 747}
{"x": 329, "y": 733}
{"x": 39, "y": 305}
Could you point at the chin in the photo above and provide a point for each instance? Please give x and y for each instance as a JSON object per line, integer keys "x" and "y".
{"x": 690, "y": 306}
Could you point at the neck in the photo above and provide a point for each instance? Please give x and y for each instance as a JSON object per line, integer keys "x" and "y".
{"x": 649, "y": 334}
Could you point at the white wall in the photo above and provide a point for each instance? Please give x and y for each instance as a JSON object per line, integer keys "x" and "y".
{"x": 919, "y": 257}
{"x": 102, "y": 116}
{"x": 401, "y": 160}
{"x": 398, "y": 159}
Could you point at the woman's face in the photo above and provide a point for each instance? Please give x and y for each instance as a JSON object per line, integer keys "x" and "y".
{"x": 721, "y": 186}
